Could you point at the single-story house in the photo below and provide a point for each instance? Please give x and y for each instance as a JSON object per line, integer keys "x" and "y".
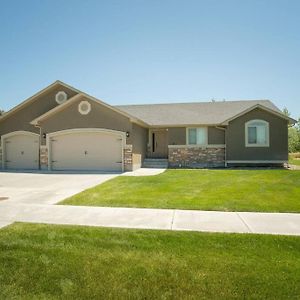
{"x": 62, "y": 128}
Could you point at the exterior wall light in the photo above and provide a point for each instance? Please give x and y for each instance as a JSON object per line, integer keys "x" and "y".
{"x": 127, "y": 133}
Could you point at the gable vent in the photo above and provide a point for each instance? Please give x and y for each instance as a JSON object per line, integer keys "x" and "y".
{"x": 61, "y": 97}
{"x": 84, "y": 107}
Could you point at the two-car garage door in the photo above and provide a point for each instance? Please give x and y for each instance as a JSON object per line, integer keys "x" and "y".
{"x": 86, "y": 150}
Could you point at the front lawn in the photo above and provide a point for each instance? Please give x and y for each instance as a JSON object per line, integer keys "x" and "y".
{"x": 294, "y": 161}
{"x": 69, "y": 262}
{"x": 225, "y": 190}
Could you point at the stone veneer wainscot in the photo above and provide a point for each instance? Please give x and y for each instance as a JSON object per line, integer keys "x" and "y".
{"x": 187, "y": 156}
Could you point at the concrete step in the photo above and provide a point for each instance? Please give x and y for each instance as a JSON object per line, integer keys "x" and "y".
{"x": 155, "y": 166}
{"x": 155, "y": 163}
{"x": 156, "y": 160}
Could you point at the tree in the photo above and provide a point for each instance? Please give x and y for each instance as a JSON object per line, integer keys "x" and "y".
{"x": 286, "y": 112}
{"x": 294, "y": 140}
{"x": 1, "y": 112}
{"x": 293, "y": 133}
{"x": 297, "y": 125}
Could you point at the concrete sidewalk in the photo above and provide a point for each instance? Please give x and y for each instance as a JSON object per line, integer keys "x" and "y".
{"x": 165, "y": 219}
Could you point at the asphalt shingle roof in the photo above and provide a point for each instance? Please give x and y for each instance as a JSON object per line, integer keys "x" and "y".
{"x": 204, "y": 113}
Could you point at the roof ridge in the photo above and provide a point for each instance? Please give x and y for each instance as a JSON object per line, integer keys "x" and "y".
{"x": 198, "y": 102}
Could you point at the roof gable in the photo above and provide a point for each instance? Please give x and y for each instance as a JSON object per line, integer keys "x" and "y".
{"x": 55, "y": 85}
{"x": 279, "y": 114}
{"x": 77, "y": 97}
{"x": 58, "y": 107}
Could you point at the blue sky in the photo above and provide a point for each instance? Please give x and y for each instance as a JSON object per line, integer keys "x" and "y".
{"x": 135, "y": 51}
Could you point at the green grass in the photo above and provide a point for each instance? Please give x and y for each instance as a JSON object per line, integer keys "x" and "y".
{"x": 294, "y": 161}
{"x": 224, "y": 190}
{"x": 68, "y": 262}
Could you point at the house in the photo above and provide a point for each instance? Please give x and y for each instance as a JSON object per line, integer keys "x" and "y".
{"x": 62, "y": 128}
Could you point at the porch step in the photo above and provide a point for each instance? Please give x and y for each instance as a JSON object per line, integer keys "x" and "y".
{"x": 159, "y": 163}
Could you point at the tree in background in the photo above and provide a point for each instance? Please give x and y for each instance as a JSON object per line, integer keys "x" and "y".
{"x": 1, "y": 112}
{"x": 294, "y": 140}
{"x": 286, "y": 112}
{"x": 294, "y": 134}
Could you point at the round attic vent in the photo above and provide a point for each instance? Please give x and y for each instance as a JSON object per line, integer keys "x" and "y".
{"x": 61, "y": 97}
{"x": 84, "y": 107}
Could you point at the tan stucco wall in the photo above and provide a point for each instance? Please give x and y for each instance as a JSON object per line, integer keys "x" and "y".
{"x": 99, "y": 117}
{"x": 21, "y": 119}
{"x": 235, "y": 138}
{"x": 139, "y": 137}
{"x": 216, "y": 136}
{"x": 177, "y": 136}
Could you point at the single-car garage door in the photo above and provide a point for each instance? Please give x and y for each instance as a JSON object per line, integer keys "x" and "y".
{"x": 21, "y": 151}
{"x": 86, "y": 150}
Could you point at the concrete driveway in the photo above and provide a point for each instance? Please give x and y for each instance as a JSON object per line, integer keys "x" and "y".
{"x": 45, "y": 188}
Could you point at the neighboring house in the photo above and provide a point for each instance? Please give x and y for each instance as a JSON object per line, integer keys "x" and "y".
{"x": 62, "y": 128}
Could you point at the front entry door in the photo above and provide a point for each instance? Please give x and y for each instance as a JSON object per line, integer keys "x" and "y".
{"x": 159, "y": 144}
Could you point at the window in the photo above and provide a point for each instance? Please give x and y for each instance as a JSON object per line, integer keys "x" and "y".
{"x": 197, "y": 136}
{"x": 257, "y": 133}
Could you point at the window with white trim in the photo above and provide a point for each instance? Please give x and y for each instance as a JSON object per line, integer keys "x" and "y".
{"x": 197, "y": 136}
{"x": 257, "y": 133}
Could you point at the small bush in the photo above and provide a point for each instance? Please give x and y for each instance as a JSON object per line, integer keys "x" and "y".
{"x": 295, "y": 155}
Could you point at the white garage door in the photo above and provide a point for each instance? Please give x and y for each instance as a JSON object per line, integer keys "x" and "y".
{"x": 95, "y": 151}
{"x": 21, "y": 151}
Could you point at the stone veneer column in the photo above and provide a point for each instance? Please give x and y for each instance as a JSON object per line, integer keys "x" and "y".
{"x": 44, "y": 158}
{"x": 128, "y": 158}
{"x": 196, "y": 157}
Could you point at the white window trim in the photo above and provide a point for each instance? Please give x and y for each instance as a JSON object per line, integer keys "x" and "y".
{"x": 187, "y": 136}
{"x": 267, "y": 144}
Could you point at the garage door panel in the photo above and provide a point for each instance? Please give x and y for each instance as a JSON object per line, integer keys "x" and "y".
{"x": 21, "y": 152}
{"x": 87, "y": 151}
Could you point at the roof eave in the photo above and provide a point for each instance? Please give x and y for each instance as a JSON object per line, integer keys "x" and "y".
{"x": 184, "y": 125}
